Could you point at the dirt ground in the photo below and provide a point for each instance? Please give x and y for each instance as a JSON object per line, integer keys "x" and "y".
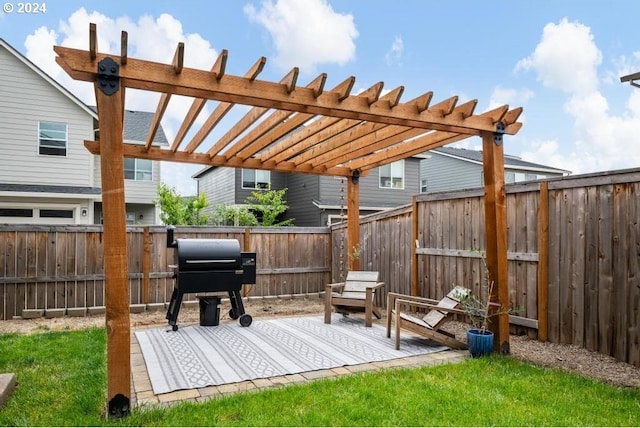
{"x": 566, "y": 357}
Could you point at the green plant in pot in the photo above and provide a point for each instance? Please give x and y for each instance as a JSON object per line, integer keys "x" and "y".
{"x": 479, "y": 312}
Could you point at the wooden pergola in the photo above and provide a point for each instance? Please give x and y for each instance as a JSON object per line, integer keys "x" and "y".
{"x": 289, "y": 128}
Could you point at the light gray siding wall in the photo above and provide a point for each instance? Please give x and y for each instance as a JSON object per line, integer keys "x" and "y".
{"x": 218, "y": 184}
{"x": 444, "y": 173}
{"x": 371, "y": 194}
{"x": 136, "y": 191}
{"x": 302, "y": 190}
{"x": 25, "y": 99}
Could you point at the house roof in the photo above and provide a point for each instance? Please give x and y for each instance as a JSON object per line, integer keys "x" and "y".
{"x": 510, "y": 162}
{"x": 47, "y": 78}
{"x": 136, "y": 126}
{"x": 43, "y": 188}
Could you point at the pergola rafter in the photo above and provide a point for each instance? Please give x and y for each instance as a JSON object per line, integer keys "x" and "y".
{"x": 287, "y": 128}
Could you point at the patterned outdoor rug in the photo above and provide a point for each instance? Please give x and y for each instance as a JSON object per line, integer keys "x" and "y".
{"x": 195, "y": 356}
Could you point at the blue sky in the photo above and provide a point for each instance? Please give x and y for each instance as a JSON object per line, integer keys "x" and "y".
{"x": 560, "y": 60}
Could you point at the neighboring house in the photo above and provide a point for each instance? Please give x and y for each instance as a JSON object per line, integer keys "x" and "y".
{"x": 47, "y": 176}
{"x": 314, "y": 200}
{"x": 319, "y": 200}
{"x": 449, "y": 168}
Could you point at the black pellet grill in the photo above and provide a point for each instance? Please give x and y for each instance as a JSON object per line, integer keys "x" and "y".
{"x": 210, "y": 266}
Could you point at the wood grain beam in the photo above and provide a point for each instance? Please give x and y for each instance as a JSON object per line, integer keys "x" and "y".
{"x": 495, "y": 207}
{"x": 178, "y": 64}
{"x": 116, "y": 265}
{"x": 147, "y": 75}
{"x": 124, "y": 43}
{"x": 285, "y": 147}
{"x": 158, "y": 154}
{"x": 220, "y": 111}
{"x": 408, "y": 143}
{"x": 365, "y": 144}
{"x": 93, "y": 41}
{"x": 198, "y": 104}
{"x": 220, "y": 65}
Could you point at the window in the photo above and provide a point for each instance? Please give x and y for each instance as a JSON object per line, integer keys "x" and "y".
{"x": 255, "y": 179}
{"x": 138, "y": 169}
{"x": 16, "y": 212}
{"x": 56, "y": 213}
{"x": 392, "y": 175}
{"x": 52, "y": 139}
{"x": 423, "y": 185}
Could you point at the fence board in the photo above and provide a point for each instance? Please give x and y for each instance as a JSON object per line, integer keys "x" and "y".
{"x": 605, "y": 274}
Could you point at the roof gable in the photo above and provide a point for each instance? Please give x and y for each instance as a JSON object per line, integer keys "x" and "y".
{"x": 46, "y": 77}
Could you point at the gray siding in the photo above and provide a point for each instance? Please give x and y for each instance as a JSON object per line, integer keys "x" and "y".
{"x": 371, "y": 194}
{"x": 25, "y": 99}
{"x": 444, "y": 173}
{"x": 218, "y": 184}
{"x": 278, "y": 181}
{"x": 302, "y": 191}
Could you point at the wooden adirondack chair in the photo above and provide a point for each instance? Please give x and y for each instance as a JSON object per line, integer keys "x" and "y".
{"x": 429, "y": 325}
{"x": 354, "y": 295}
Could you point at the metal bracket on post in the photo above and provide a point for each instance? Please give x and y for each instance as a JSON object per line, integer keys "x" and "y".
{"x": 355, "y": 176}
{"x": 108, "y": 76}
{"x": 497, "y": 135}
{"x": 119, "y": 406}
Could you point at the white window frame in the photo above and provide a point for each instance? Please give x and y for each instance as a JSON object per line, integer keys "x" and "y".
{"x": 139, "y": 173}
{"x": 392, "y": 181}
{"x": 266, "y": 175}
{"x": 424, "y": 185}
{"x": 51, "y": 143}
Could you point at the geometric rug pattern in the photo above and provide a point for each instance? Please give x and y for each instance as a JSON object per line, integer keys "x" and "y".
{"x": 195, "y": 356}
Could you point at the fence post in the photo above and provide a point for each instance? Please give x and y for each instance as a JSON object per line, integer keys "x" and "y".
{"x": 415, "y": 289}
{"x": 146, "y": 265}
{"x": 543, "y": 261}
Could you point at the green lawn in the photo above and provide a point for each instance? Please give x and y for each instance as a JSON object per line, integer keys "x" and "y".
{"x": 62, "y": 382}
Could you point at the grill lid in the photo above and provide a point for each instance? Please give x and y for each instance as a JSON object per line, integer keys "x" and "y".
{"x": 208, "y": 254}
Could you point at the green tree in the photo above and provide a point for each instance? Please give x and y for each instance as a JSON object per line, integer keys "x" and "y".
{"x": 271, "y": 204}
{"x": 227, "y": 215}
{"x": 179, "y": 210}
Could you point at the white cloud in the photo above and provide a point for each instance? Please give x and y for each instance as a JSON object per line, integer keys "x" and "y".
{"x": 394, "y": 54}
{"x": 306, "y": 33}
{"x": 149, "y": 38}
{"x": 509, "y": 96}
{"x": 567, "y": 59}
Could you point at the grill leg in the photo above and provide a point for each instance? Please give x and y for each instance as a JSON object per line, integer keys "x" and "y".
{"x": 174, "y": 308}
{"x": 236, "y": 303}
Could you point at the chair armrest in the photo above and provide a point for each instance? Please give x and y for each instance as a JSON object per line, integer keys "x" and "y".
{"x": 376, "y": 286}
{"x": 391, "y": 296}
{"x": 329, "y": 287}
{"x": 426, "y": 305}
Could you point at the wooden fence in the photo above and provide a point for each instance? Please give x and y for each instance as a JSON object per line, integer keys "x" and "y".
{"x": 573, "y": 255}
{"x": 52, "y": 268}
{"x": 573, "y": 258}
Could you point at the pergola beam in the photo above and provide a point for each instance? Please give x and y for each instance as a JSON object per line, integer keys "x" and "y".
{"x": 152, "y": 76}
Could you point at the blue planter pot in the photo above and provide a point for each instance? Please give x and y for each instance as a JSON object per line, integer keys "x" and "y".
{"x": 479, "y": 343}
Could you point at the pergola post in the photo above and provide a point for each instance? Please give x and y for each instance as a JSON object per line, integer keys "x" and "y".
{"x": 495, "y": 207}
{"x": 353, "y": 221}
{"x": 110, "y": 102}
